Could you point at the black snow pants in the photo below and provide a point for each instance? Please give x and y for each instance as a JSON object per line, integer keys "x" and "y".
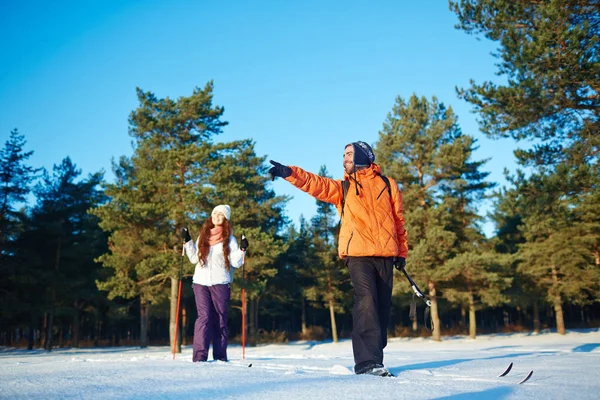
{"x": 372, "y": 278}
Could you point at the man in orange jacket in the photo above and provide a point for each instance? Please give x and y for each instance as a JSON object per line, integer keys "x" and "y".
{"x": 372, "y": 241}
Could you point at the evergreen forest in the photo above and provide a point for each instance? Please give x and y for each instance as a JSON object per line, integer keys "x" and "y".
{"x": 89, "y": 262}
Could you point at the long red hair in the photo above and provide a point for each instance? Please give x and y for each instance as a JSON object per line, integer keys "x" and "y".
{"x": 205, "y": 234}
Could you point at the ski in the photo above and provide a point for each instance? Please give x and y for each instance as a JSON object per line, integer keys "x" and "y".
{"x": 527, "y": 377}
{"x": 507, "y": 370}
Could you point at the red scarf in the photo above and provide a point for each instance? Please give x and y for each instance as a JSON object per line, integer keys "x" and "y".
{"x": 216, "y": 235}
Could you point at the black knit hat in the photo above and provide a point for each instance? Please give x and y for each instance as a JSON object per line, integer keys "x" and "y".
{"x": 363, "y": 154}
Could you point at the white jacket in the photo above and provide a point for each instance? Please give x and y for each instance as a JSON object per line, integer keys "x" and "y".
{"x": 214, "y": 271}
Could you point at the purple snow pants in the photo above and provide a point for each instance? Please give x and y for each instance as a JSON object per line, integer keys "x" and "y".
{"x": 212, "y": 304}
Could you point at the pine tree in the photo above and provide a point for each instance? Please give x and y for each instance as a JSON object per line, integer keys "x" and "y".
{"x": 161, "y": 188}
{"x": 559, "y": 236}
{"x": 549, "y": 53}
{"x": 523, "y": 292}
{"x": 475, "y": 277}
{"x": 15, "y": 184}
{"x": 422, "y": 147}
{"x": 294, "y": 273}
{"x": 16, "y": 178}
{"x": 61, "y": 245}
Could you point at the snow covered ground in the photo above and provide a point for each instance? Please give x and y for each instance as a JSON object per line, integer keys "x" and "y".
{"x": 565, "y": 367}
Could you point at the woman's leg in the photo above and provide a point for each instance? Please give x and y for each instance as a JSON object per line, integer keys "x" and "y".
{"x": 220, "y": 295}
{"x": 202, "y": 327}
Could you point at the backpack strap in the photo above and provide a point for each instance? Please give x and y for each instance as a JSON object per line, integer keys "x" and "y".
{"x": 346, "y": 186}
{"x": 387, "y": 183}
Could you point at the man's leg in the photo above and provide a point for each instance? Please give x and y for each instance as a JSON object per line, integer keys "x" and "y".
{"x": 385, "y": 281}
{"x": 366, "y": 334}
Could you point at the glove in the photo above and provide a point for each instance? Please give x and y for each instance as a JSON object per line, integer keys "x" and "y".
{"x": 244, "y": 243}
{"x": 399, "y": 263}
{"x": 279, "y": 170}
{"x": 185, "y": 235}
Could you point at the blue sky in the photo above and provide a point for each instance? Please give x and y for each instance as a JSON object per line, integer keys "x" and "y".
{"x": 301, "y": 78}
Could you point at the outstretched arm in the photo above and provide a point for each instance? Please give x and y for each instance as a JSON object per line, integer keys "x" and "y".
{"x": 323, "y": 189}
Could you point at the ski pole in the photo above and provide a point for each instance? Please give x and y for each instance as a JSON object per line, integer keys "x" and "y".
{"x": 243, "y": 304}
{"x": 415, "y": 288}
{"x": 420, "y": 294}
{"x": 178, "y": 302}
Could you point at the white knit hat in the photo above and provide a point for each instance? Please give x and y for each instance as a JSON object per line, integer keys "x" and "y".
{"x": 223, "y": 209}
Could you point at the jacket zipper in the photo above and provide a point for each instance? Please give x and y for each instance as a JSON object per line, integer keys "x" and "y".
{"x": 348, "y": 245}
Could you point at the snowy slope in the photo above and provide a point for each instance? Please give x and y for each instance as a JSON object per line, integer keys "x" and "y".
{"x": 564, "y": 367}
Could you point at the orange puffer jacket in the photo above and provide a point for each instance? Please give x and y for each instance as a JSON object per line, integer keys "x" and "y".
{"x": 372, "y": 224}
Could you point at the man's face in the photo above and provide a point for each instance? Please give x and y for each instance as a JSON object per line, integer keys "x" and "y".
{"x": 218, "y": 219}
{"x": 349, "y": 159}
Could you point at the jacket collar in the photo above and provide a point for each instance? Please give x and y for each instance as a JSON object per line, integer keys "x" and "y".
{"x": 368, "y": 172}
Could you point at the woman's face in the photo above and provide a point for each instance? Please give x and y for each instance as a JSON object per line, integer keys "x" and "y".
{"x": 218, "y": 219}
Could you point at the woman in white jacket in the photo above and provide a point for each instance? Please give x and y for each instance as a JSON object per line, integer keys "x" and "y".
{"x": 215, "y": 253}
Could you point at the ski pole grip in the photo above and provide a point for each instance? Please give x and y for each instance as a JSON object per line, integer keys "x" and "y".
{"x": 244, "y": 243}
{"x": 416, "y": 289}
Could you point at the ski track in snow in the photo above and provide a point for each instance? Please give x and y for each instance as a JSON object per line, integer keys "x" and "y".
{"x": 456, "y": 368}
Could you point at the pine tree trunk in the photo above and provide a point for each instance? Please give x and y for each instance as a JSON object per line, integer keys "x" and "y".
{"x": 96, "y": 330}
{"x": 463, "y": 318}
{"x": 98, "y": 334}
{"x": 472, "y": 320}
{"x": 332, "y": 310}
{"x": 144, "y": 320}
{"x": 558, "y": 311}
{"x": 255, "y": 317}
{"x": 333, "y": 324}
{"x": 560, "y": 322}
{"x": 520, "y": 313}
{"x": 253, "y": 321}
{"x": 32, "y": 327}
{"x": 76, "y": 325}
{"x": 61, "y": 337}
{"x": 43, "y": 331}
{"x": 303, "y": 322}
{"x": 436, "y": 334}
{"x": 250, "y": 325}
{"x": 173, "y": 316}
{"x": 53, "y": 299}
{"x": 536, "y": 317}
{"x": 49, "y": 328}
